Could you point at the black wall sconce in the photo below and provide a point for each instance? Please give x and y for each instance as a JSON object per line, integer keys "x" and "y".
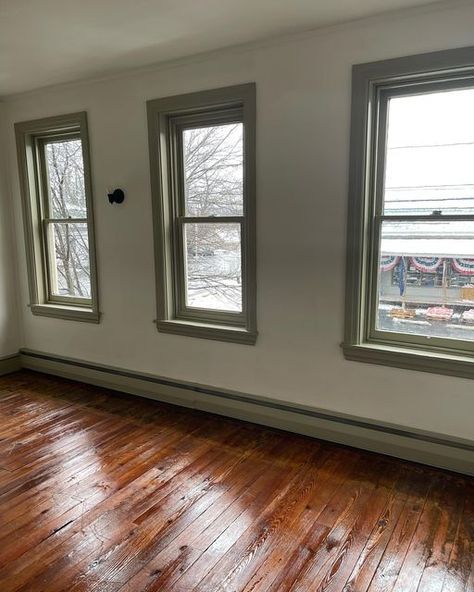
{"x": 117, "y": 196}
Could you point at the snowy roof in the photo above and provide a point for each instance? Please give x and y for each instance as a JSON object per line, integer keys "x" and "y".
{"x": 440, "y": 247}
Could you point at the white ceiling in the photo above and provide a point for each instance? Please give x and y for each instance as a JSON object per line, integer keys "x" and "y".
{"x": 44, "y": 42}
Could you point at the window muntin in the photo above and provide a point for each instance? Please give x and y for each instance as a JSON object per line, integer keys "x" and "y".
{"x": 424, "y": 216}
{"x": 202, "y": 158}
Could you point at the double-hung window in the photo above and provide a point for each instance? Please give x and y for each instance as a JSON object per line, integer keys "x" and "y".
{"x": 202, "y": 150}
{"x": 57, "y": 206}
{"x": 410, "y": 267}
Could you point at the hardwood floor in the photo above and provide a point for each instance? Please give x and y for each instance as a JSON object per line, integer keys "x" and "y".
{"x": 108, "y": 492}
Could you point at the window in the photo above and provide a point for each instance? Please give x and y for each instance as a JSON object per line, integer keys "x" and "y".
{"x": 410, "y": 269}
{"x": 55, "y": 182}
{"x": 202, "y": 158}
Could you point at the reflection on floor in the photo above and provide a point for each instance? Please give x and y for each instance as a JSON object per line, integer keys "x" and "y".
{"x": 107, "y": 492}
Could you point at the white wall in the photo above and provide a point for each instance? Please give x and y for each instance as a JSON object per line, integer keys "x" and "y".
{"x": 303, "y": 87}
{"x": 9, "y": 323}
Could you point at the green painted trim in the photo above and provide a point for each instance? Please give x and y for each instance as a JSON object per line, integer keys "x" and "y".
{"x": 386, "y": 355}
{"x": 164, "y": 119}
{"x": 401, "y": 441}
{"x": 66, "y": 313}
{"x": 10, "y": 364}
{"x": 206, "y": 331}
{"x": 28, "y": 133}
{"x": 369, "y": 82}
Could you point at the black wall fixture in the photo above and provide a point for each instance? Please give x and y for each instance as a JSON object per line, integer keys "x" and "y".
{"x": 117, "y": 196}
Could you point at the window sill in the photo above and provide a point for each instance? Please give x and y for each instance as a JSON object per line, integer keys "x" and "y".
{"x": 207, "y": 331}
{"x": 410, "y": 359}
{"x": 68, "y": 313}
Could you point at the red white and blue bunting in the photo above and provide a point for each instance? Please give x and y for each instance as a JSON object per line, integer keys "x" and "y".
{"x": 463, "y": 266}
{"x": 426, "y": 264}
{"x": 388, "y": 262}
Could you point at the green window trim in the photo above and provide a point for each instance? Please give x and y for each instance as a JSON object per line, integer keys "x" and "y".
{"x": 372, "y": 84}
{"x": 31, "y": 138}
{"x": 167, "y": 119}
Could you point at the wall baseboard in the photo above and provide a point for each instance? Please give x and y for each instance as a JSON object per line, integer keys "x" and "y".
{"x": 10, "y": 364}
{"x": 439, "y": 450}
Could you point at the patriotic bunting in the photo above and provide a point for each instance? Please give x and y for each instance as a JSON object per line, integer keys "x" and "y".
{"x": 463, "y": 266}
{"x": 388, "y": 262}
{"x": 426, "y": 264}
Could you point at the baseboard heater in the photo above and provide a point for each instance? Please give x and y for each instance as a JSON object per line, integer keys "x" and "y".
{"x": 426, "y": 447}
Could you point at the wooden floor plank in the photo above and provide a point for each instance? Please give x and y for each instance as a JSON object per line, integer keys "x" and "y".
{"x": 105, "y": 492}
{"x": 371, "y": 554}
{"x": 459, "y": 572}
{"x": 352, "y": 507}
{"x": 113, "y": 506}
{"x": 450, "y": 502}
{"x": 262, "y": 537}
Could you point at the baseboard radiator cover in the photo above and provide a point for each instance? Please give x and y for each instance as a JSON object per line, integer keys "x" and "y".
{"x": 439, "y": 450}
{"x": 9, "y": 364}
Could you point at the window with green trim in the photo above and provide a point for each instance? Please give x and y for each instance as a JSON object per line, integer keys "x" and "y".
{"x": 55, "y": 175}
{"x": 203, "y": 181}
{"x": 410, "y": 297}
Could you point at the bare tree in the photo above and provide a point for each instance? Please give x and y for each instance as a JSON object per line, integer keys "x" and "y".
{"x": 67, "y": 201}
{"x": 213, "y": 168}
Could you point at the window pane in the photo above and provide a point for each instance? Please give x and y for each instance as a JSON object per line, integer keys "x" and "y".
{"x": 430, "y": 151}
{"x": 70, "y": 275}
{"x": 426, "y": 279}
{"x": 213, "y": 268}
{"x": 213, "y": 170}
{"x": 67, "y": 196}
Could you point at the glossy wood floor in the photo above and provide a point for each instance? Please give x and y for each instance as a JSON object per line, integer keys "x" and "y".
{"x": 108, "y": 492}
